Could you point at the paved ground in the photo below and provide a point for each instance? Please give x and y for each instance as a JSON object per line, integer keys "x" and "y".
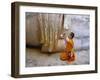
{"x": 34, "y": 58}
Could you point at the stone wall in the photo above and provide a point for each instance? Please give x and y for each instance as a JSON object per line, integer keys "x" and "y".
{"x": 32, "y": 30}
{"x": 79, "y": 24}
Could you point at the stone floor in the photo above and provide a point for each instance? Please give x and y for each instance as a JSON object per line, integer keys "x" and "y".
{"x": 34, "y": 58}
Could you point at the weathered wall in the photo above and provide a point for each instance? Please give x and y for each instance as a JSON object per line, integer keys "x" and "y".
{"x": 79, "y": 24}
{"x": 32, "y": 29}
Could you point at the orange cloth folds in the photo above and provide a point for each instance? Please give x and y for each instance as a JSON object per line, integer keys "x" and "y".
{"x": 69, "y": 54}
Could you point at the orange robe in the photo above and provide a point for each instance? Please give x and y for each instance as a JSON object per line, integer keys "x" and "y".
{"x": 68, "y": 55}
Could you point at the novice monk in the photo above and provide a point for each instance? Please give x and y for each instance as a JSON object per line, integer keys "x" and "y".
{"x": 69, "y": 55}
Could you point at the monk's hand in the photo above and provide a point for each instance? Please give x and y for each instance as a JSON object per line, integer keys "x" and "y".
{"x": 70, "y": 54}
